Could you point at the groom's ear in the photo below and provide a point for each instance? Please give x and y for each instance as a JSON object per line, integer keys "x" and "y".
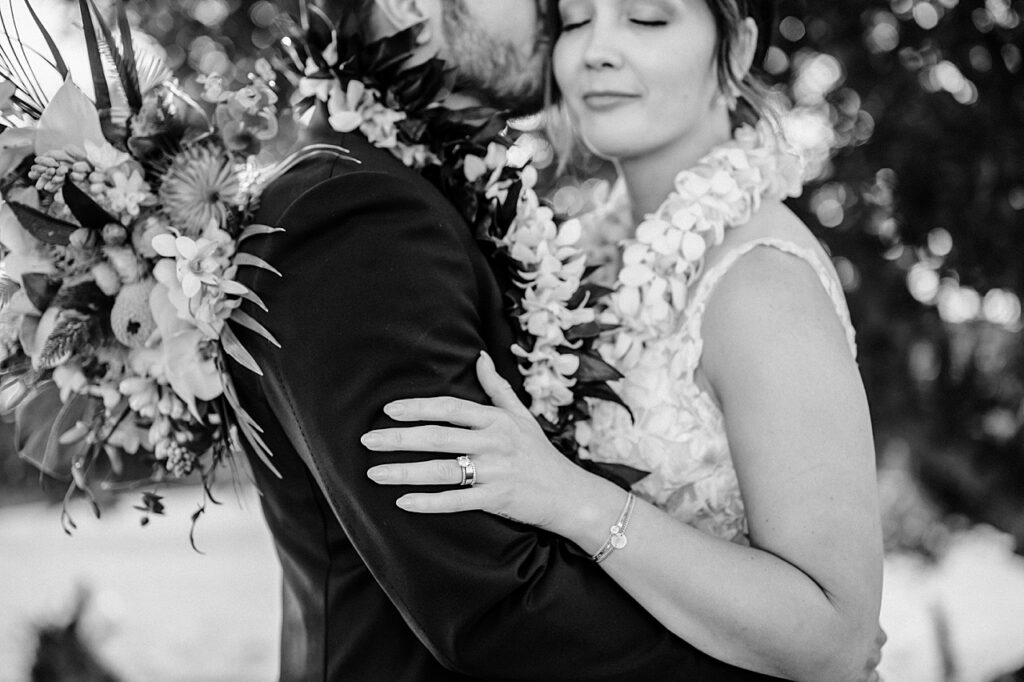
{"x": 399, "y": 15}
{"x": 742, "y": 57}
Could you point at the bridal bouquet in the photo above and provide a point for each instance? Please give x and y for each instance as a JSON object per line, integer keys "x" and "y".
{"x": 120, "y": 226}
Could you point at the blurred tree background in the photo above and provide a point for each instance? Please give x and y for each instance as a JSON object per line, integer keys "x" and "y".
{"x": 912, "y": 115}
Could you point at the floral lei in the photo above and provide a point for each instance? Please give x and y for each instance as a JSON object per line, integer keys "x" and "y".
{"x": 365, "y": 87}
{"x": 668, "y": 251}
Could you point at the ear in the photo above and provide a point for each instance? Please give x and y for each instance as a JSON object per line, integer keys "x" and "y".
{"x": 401, "y": 14}
{"x": 742, "y": 57}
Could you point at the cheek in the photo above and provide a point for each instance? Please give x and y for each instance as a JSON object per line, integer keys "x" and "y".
{"x": 563, "y": 66}
{"x": 685, "y": 86}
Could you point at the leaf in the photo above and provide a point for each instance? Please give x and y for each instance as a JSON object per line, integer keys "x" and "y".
{"x": 40, "y": 420}
{"x": 45, "y": 228}
{"x": 588, "y": 330}
{"x": 41, "y": 289}
{"x": 192, "y": 528}
{"x": 246, "y": 320}
{"x": 602, "y": 391}
{"x": 250, "y": 430}
{"x": 85, "y": 209}
{"x": 129, "y": 67}
{"x": 254, "y": 230}
{"x": 594, "y": 369}
{"x": 92, "y": 43}
{"x": 253, "y": 298}
{"x": 507, "y": 211}
{"x": 58, "y": 60}
{"x": 151, "y": 504}
{"x": 70, "y": 120}
{"x": 13, "y": 391}
{"x": 596, "y": 291}
{"x": 233, "y": 347}
{"x": 127, "y": 76}
{"x": 247, "y": 259}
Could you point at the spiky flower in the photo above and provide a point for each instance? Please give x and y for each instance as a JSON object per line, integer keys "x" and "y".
{"x": 200, "y": 189}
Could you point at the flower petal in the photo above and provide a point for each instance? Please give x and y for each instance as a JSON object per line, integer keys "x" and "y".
{"x": 186, "y": 247}
{"x": 164, "y": 245}
{"x": 191, "y": 285}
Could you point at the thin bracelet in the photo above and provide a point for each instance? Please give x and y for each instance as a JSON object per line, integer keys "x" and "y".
{"x": 617, "y": 539}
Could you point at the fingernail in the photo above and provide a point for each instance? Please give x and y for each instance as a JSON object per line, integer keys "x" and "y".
{"x": 394, "y": 409}
{"x": 371, "y": 439}
{"x": 403, "y": 503}
{"x": 378, "y": 474}
{"x": 487, "y": 358}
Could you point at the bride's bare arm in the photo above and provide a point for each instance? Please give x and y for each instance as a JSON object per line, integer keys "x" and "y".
{"x": 802, "y": 602}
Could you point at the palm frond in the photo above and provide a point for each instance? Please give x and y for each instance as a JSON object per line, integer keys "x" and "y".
{"x": 151, "y": 68}
{"x": 124, "y": 74}
{"x": 129, "y": 66}
{"x": 58, "y": 59}
{"x": 23, "y": 65}
{"x": 96, "y": 67}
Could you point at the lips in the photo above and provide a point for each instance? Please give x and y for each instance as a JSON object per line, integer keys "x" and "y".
{"x": 604, "y": 100}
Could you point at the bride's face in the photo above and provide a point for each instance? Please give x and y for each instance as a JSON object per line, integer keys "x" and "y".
{"x": 639, "y": 76}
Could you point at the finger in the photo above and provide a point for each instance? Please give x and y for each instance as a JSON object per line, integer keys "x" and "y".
{"x": 451, "y": 410}
{"x": 500, "y": 391}
{"x": 446, "y": 439}
{"x": 447, "y": 502}
{"x": 435, "y": 472}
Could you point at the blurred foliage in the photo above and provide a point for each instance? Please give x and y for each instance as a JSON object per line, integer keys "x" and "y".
{"x": 912, "y": 114}
{"x": 922, "y": 205}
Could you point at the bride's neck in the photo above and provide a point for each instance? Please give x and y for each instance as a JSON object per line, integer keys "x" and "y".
{"x": 650, "y": 177}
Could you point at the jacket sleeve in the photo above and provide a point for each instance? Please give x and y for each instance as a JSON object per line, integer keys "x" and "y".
{"x": 378, "y": 302}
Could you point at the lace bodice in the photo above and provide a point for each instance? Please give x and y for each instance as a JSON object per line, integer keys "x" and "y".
{"x": 679, "y": 431}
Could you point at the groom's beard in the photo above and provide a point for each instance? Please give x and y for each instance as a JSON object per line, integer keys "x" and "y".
{"x": 500, "y": 73}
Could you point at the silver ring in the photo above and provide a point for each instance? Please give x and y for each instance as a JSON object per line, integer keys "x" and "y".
{"x": 468, "y": 471}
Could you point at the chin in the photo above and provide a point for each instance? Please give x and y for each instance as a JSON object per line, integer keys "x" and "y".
{"x": 612, "y": 146}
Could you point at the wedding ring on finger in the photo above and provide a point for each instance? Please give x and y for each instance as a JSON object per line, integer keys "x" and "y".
{"x": 468, "y": 471}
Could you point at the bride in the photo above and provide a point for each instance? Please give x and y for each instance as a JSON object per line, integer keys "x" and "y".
{"x": 756, "y": 535}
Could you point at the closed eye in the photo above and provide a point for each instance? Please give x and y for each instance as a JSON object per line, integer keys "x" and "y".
{"x": 573, "y": 25}
{"x": 642, "y": 22}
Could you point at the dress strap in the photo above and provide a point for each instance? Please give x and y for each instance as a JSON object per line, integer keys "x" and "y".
{"x": 694, "y": 317}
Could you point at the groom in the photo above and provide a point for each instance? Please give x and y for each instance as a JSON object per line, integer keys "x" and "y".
{"x": 386, "y": 295}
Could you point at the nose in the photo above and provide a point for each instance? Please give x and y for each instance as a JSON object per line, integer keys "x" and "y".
{"x": 601, "y": 51}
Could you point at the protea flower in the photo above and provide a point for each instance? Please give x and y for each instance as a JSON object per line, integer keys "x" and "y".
{"x": 200, "y": 189}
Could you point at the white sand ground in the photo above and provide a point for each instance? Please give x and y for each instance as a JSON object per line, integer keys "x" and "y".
{"x": 164, "y": 613}
{"x": 161, "y": 612}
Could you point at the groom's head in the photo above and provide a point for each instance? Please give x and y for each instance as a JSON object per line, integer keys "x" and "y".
{"x": 499, "y": 47}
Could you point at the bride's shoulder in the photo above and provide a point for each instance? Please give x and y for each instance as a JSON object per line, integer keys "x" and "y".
{"x": 774, "y": 222}
{"x": 771, "y": 278}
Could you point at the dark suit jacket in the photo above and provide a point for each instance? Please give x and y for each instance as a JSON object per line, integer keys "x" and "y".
{"x": 386, "y": 295}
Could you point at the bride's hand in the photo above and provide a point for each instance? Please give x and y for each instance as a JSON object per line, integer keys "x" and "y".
{"x": 519, "y": 474}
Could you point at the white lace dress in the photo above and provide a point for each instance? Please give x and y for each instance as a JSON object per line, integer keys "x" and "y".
{"x": 679, "y": 431}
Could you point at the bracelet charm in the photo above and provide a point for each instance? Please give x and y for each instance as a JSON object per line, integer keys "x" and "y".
{"x": 617, "y": 538}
